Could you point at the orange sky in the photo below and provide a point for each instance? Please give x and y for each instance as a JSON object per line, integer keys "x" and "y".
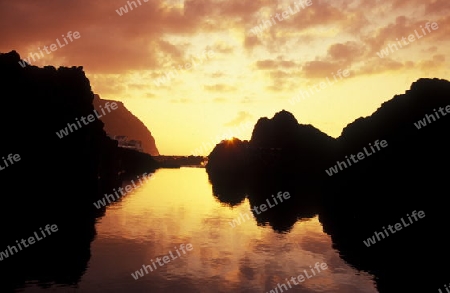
{"x": 245, "y": 76}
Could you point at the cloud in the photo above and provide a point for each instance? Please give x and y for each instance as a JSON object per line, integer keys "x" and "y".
{"x": 319, "y": 69}
{"x": 219, "y": 88}
{"x": 345, "y": 52}
{"x": 273, "y": 64}
{"x": 123, "y": 52}
{"x": 378, "y": 65}
{"x": 431, "y": 49}
{"x": 241, "y": 117}
{"x": 251, "y": 42}
{"x": 436, "y": 62}
{"x": 109, "y": 43}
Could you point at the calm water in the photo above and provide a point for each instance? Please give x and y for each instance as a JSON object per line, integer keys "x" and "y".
{"x": 178, "y": 207}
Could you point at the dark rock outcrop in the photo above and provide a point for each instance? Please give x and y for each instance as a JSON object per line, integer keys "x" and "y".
{"x": 407, "y": 175}
{"x": 278, "y": 146}
{"x": 62, "y": 170}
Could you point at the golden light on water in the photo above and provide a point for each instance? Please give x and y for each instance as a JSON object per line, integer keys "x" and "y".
{"x": 177, "y": 206}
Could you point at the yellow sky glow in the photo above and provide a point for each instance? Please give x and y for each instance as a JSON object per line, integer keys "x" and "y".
{"x": 248, "y": 76}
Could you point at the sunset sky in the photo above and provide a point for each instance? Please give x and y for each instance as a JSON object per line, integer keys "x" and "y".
{"x": 246, "y": 76}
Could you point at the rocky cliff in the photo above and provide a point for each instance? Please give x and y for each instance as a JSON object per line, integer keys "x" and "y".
{"x": 56, "y": 160}
{"x": 123, "y": 122}
{"x": 382, "y": 169}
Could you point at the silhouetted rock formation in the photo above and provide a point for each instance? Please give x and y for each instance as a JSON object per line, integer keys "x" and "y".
{"x": 59, "y": 175}
{"x": 405, "y": 176}
{"x": 365, "y": 195}
{"x": 278, "y": 146}
{"x": 123, "y": 122}
{"x": 230, "y": 159}
{"x": 302, "y": 147}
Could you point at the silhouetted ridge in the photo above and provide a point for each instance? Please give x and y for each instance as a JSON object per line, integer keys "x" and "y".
{"x": 40, "y": 102}
{"x": 283, "y": 131}
{"x": 363, "y": 194}
{"x": 278, "y": 145}
{"x": 233, "y": 158}
{"x": 275, "y": 132}
{"x": 59, "y": 176}
{"x": 121, "y": 122}
{"x": 397, "y": 115}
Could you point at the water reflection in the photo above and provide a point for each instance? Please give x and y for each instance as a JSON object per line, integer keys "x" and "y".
{"x": 177, "y": 207}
